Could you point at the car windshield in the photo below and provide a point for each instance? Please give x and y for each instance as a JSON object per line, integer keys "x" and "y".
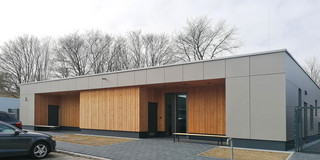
{"x": 4, "y": 129}
{"x": 6, "y": 118}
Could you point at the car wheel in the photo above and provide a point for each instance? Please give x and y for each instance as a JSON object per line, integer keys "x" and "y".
{"x": 39, "y": 150}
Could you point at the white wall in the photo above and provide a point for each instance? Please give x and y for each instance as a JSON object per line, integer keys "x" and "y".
{"x": 296, "y": 78}
{"x": 27, "y": 104}
{"x": 255, "y": 97}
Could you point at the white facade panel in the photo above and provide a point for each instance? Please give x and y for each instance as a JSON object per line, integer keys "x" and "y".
{"x": 193, "y": 72}
{"x": 67, "y": 85}
{"x": 140, "y": 77}
{"x": 214, "y": 69}
{"x": 155, "y": 75}
{"x": 267, "y": 63}
{"x": 173, "y": 74}
{"x": 238, "y": 107}
{"x": 109, "y": 80}
{"x": 82, "y": 83}
{"x": 95, "y": 82}
{"x": 27, "y": 109}
{"x": 237, "y": 67}
{"x": 125, "y": 78}
{"x": 267, "y": 106}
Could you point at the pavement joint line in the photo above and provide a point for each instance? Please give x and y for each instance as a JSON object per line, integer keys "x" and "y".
{"x": 265, "y": 150}
{"x": 81, "y": 155}
{"x": 290, "y": 156}
{"x": 107, "y": 136}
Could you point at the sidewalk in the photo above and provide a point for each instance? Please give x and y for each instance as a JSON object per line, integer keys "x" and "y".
{"x": 154, "y": 149}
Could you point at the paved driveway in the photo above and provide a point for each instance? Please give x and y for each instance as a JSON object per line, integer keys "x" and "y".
{"x": 148, "y": 149}
{"x": 153, "y": 149}
{"x": 51, "y": 156}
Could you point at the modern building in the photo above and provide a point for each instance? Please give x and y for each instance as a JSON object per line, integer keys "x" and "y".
{"x": 251, "y": 98}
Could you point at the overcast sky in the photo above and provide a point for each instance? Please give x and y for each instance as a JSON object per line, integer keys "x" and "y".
{"x": 263, "y": 25}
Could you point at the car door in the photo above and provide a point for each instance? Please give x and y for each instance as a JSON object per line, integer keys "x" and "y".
{"x": 11, "y": 144}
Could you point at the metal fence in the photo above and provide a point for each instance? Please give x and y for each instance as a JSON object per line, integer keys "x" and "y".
{"x": 301, "y": 128}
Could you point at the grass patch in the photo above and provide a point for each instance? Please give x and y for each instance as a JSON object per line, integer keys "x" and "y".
{"x": 244, "y": 154}
{"x": 90, "y": 140}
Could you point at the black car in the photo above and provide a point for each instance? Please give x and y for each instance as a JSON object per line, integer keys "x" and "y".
{"x": 6, "y": 117}
{"x": 17, "y": 142}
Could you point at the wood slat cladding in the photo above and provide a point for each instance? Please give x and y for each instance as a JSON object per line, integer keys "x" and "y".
{"x": 110, "y": 109}
{"x": 206, "y": 108}
{"x": 68, "y": 109}
{"x": 126, "y": 108}
{"x": 41, "y": 108}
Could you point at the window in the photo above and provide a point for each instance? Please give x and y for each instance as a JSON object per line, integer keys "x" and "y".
{"x": 4, "y": 129}
{"x": 311, "y": 118}
{"x": 316, "y": 105}
{"x": 300, "y": 99}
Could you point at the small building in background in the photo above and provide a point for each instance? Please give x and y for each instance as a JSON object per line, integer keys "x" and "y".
{"x": 10, "y": 105}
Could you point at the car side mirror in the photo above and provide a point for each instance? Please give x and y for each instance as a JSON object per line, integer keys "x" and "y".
{"x": 16, "y": 132}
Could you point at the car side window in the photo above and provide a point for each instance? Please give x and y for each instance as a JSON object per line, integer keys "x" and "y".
{"x": 6, "y": 117}
{"x": 4, "y": 129}
{"x": 3, "y": 117}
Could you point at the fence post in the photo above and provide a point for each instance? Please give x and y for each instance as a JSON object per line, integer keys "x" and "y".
{"x": 229, "y": 141}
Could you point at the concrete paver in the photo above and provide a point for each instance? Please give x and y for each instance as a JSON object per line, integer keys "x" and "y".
{"x": 142, "y": 149}
{"x": 51, "y": 156}
{"x": 155, "y": 149}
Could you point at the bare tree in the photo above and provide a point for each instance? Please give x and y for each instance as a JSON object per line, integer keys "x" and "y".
{"x": 23, "y": 60}
{"x": 150, "y": 49}
{"x": 98, "y": 46}
{"x": 135, "y": 48}
{"x": 313, "y": 69}
{"x": 121, "y": 60}
{"x": 72, "y": 56}
{"x": 44, "y": 62}
{"x": 158, "y": 50}
{"x": 200, "y": 39}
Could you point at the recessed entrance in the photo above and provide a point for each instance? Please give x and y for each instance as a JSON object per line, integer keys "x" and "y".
{"x": 152, "y": 119}
{"x": 176, "y": 113}
{"x": 53, "y": 115}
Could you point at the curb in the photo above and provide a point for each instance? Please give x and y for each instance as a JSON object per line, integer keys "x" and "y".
{"x": 81, "y": 155}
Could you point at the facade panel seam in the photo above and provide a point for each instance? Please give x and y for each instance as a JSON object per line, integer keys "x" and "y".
{"x": 250, "y": 133}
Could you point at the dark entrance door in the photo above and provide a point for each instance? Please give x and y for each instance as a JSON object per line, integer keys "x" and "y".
{"x": 176, "y": 113}
{"x": 53, "y": 115}
{"x": 152, "y": 119}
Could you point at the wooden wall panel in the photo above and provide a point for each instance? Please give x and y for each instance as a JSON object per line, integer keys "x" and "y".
{"x": 206, "y": 110}
{"x": 205, "y": 105}
{"x": 41, "y": 108}
{"x": 69, "y": 110}
{"x": 110, "y": 109}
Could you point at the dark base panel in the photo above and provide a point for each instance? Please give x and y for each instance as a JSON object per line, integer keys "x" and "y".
{"x": 27, "y": 127}
{"x": 70, "y": 128}
{"x": 255, "y": 144}
{"x": 115, "y": 133}
{"x": 264, "y": 144}
{"x": 161, "y": 134}
{"x": 208, "y": 138}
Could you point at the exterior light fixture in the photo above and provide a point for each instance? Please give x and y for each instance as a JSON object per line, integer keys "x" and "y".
{"x": 104, "y": 78}
{"x": 25, "y": 99}
{"x": 305, "y": 92}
